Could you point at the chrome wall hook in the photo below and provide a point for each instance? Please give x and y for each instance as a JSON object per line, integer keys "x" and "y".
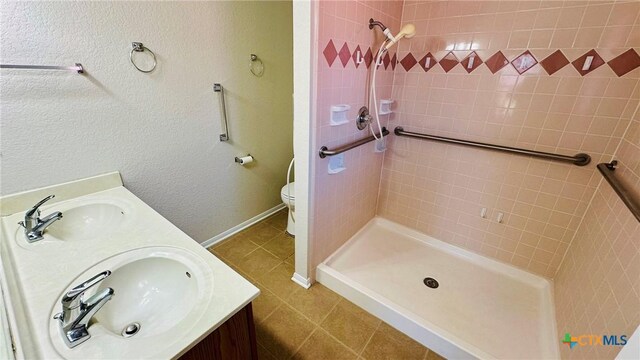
{"x": 256, "y": 66}
{"x": 139, "y": 47}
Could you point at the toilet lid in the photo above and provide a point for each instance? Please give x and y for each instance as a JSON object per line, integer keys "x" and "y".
{"x": 291, "y": 191}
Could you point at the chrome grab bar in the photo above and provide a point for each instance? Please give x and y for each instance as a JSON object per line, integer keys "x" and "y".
{"x": 225, "y": 125}
{"x": 580, "y": 159}
{"x": 77, "y": 68}
{"x": 324, "y": 151}
{"x": 607, "y": 170}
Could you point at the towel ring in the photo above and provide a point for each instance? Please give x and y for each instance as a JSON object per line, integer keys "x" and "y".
{"x": 138, "y": 47}
{"x": 256, "y": 66}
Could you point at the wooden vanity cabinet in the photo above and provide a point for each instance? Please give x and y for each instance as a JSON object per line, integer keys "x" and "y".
{"x": 235, "y": 339}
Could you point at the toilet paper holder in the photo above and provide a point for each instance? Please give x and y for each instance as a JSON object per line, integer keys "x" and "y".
{"x": 244, "y": 159}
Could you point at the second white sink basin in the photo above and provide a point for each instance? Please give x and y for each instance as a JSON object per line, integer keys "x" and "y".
{"x": 88, "y": 221}
{"x": 161, "y": 290}
{"x": 154, "y": 293}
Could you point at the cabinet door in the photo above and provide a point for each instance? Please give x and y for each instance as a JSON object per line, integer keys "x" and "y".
{"x": 233, "y": 340}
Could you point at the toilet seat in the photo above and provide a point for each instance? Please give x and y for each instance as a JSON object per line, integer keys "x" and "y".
{"x": 288, "y": 192}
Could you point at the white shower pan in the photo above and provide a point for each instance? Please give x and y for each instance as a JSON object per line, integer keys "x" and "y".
{"x": 481, "y": 308}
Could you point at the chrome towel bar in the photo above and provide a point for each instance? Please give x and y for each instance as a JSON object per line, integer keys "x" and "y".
{"x": 77, "y": 67}
{"x": 607, "y": 170}
{"x": 324, "y": 151}
{"x": 580, "y": 159}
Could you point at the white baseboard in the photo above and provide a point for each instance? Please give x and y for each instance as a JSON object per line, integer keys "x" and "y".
{"x": 301, "y": 280}
{"x": 236, "y": 229}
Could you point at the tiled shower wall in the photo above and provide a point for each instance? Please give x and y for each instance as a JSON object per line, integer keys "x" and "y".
{"x": 440, "y": 189}
{"x": 346, "y": 201}
{"x": 597, "y": 289}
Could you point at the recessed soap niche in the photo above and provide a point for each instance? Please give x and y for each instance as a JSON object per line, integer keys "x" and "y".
{"x": 339, "y": 114}
{"x": 336, "y": 164}
{"x": 385, "y": 107}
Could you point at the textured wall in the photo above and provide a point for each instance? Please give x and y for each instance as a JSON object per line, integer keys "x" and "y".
{"x": 440, "y": 189}
{"x": 160, "y": 129}
{"x": 344, "y": 202}
{"x": 597, "y": 289}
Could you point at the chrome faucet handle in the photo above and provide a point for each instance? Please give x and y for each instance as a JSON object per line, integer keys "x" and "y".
{"x": 36, "y": 208}
{"x": 73, "y": 298}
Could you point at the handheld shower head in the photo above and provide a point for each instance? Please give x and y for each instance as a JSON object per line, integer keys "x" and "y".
{"x": 407, "y": 31}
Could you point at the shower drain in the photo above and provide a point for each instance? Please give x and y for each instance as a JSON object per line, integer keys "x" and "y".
{"x": 131, "y": 330}
{"x": 431, "y": 282}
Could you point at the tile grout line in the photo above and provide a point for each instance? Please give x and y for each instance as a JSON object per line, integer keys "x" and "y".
{"x": 303, "y": 342}
{"x": 338, "y": 341}
{"x": 317, "y": 326}
{"x": 370, "y": 338}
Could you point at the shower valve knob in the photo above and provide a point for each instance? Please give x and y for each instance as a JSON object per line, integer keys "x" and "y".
{"x": 364, "y": 118}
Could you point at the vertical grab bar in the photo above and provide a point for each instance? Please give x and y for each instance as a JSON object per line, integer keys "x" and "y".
{"x": 225, "y": 126}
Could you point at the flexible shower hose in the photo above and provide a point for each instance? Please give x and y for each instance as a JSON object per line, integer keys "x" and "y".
{"x": 372, "y": 93}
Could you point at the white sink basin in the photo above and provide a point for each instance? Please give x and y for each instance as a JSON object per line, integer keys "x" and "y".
{"x": 163, "y": 290}
{"x": 154, "y": 292}
{"x": 88, "y": 221}
{"x": 83, "y": 220}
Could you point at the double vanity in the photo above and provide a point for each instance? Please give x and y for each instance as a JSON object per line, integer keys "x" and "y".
{"x": 94, "y": 272}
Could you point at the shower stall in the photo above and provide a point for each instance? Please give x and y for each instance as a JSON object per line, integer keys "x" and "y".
{"x": 468, "y": 229}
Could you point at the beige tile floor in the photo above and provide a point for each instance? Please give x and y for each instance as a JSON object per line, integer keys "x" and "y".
{"x": 294, "y": 323}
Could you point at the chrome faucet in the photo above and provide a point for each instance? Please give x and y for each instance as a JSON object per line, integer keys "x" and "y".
{"x": 33, "y": 225}
{"x": 76, "y": 313}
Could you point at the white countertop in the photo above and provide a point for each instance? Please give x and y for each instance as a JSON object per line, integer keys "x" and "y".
{"x": 37, "y": 274}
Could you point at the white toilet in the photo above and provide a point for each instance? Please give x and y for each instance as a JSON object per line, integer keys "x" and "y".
{"x": 289, "y": 198}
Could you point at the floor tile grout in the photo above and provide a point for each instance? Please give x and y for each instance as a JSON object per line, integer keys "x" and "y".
{"x": 303, "y": 342}
{"x": 280, "y": 300}
{"x": 368, "y": 341}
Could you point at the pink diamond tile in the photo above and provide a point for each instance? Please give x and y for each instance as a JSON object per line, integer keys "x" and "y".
{"x": 524, "y": 62}
{"x": 344, "y": 55}
{"x": 357, "y": 56}
{"x": 471, "y": 62}
{"x": 554, "y": 62}
{"x": 330, "y": 53}
{"x": 427, "y": 62}
{"x": 627, "y": 61}
{"x": 394, "y": 61}
{"x": 386, "y": 60}
{"x": 368, "y": 57}
{"x": 408, "y": 62}
{"x": 496, "y": 62}
{"x": 595, "y": 63}
{"x": 449, "y": 62}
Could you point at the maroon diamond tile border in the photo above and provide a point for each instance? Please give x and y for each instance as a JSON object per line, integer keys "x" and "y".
{"x": 524, "y": 62}
{"x": 471, "y": 62}
{"x": 554, "y": 62}
{"x": 621, "y": 64}
{"x": 386, "y": 60}
{"x": 496, "y": 62}
{"x": 595, "y": 63}
{"x": 330, "y": 53}
{"x": 428, "y": 62}
{"x": 368, "y": 57}
{"x": 357, "y": 56}
{"x": 449, "y": 61}
{"x": 344, "y": 55}
{"x": 408, "y": 62}
{"x": 625, "y": 62}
